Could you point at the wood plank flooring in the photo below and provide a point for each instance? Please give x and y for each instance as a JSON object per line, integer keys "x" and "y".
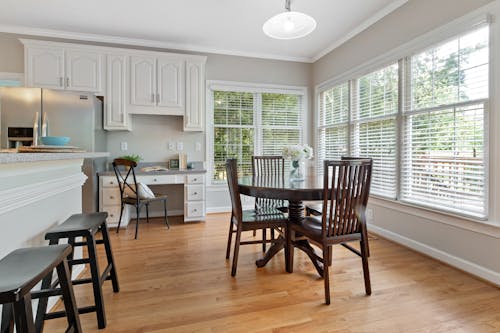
{"x": 178, "y": 280}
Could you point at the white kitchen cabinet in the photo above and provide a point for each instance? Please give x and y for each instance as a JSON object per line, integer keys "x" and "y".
{"x": 157, "y": 85}
{"x": 44, "y": 67}
{"x": 83, "y": 70}
{"x": 115, "y": 109}
{"x": 195, "y": 95}
{"x": 194, "y": 197}
{"x": 54, "y": 66}
{"x": 109, "y": 201}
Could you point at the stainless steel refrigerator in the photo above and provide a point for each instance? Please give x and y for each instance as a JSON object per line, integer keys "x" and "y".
{"x": 72, "y": 114}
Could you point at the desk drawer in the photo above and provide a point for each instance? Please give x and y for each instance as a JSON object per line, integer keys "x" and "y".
{"x": 113, "y": 213}
{"x": 195, "y": 179}
{"x": 111, "y": 196}
{"x": 194, "y": 209}
{"x": 160, "y": 179}
{"x": 109, "y": 182}
{"x": 194, "y": 192}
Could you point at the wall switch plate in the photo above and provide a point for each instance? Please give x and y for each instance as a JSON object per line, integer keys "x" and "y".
{"x": 171, "y": 146}
{"x": 180, "y": 146}
{"x": 198, "y": 146}
{"x": 123, "y": 146}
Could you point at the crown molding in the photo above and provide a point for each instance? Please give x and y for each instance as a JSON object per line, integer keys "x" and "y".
{"x": 367, "y": 23}
{"x": 97, "y": 38}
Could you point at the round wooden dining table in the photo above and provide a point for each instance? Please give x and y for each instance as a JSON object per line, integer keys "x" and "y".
{"x": 296, "y": 192}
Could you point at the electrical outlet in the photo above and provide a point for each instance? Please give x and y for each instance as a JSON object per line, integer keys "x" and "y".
{"x": 123, "y": 146}
{"x": 198, "y": 146}
{"x": 171, "y": 146}
{"x": 180, "y": 146}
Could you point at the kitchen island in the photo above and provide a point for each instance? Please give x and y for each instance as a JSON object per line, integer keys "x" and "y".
{"x": 37, "y": 191}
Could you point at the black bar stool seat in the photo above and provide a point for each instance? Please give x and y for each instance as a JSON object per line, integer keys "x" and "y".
{"x": 86, "y": 226}
{"x": 20, "y": 271}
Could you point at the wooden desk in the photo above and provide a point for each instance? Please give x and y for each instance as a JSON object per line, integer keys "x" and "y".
{"x": 295, "y": 192}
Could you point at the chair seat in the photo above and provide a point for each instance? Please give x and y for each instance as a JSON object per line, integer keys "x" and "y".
{"x": 311, "y": 227}
{"x": 133, "y": 201}
{"x": 264, "y": 210}
{"x": 23, "y": 268}
{"x": 253, "y": 216}
{"x": 77, "y": 224}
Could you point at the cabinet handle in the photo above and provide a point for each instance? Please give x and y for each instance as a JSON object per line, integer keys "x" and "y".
{"x": 67, "y": 82}
{"x": 155, "y": 180}
{"x": 157, "y": 98}
{"x": 195, "y": 193}
{"x": 61, "y": 81}
{"x": 111, "y": 182}
{"x": 152, "y": 98}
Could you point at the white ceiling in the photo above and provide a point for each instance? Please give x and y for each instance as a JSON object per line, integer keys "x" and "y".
{"x": 220, "y": 26}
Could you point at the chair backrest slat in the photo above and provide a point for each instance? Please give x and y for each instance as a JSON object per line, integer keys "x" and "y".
{"x": 270, "y": 171}
{"x": 346, "y": 190}
{"x": 234, "y": 193}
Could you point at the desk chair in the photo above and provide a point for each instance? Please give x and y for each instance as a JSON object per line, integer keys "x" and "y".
{"x": 131, "y": 192}
{"x": 246, "y": 220}
{"x": 345, "y": 195}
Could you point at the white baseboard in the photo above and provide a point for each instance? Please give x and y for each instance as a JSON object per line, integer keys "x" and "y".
{"x": 222, "y": 209}
{"x": 462, "y": 264}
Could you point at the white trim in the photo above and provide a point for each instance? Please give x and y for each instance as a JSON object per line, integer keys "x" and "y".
{"x": 98, "y": 38}
{"x": 465, "y": 265}
{"x": 437, "y": 36}
{"x": 12, "y": 76}
{"x": 357, "y": 30}
{"x": 221, "y": 209}
{"x": 255, "y": 87}
{"x": 18, "y": 197}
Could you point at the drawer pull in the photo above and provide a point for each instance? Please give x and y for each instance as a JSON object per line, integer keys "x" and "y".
{"x": 111, "y": 183}
{"x": 111, "y": 197}
{"x": 155, "y": 180}
{"x": 112, "y": 215}
{"x": 195, "y": 210}
{"x": 195, "y": 193}
{"x": 195, "y": 179}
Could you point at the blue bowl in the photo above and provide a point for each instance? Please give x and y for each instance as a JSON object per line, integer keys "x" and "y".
{"x": 54, "y": 140}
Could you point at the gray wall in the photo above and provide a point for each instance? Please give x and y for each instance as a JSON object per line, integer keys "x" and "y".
{"x": 469, "y": 245}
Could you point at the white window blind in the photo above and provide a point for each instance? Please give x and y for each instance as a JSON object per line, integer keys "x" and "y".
{"x": 443, "y": 163}
{"x": 333, "y": 124}
{"x": 253, "y": 123}
{"x": 374, "y": 121}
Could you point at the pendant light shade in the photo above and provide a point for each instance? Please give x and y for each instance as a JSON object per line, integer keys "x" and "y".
{"x": 289, "y": 25}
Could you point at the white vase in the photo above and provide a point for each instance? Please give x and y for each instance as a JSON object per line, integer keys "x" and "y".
{"x": 297, "y": 172}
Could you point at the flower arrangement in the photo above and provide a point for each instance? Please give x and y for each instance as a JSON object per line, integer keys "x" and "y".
{"x": 298, "y": 152}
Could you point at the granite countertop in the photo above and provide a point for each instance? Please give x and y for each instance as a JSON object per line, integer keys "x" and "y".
{"x": 6, "y": 158}
{"x": 138, "y": 172}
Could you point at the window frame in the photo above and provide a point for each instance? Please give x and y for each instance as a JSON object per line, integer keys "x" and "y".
{"x": 401, "y": 55}
{"x": 256, "y": 89}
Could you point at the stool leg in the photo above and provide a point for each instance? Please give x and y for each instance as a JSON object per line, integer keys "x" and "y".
{"x": 72, "y": 317}
{"x": 71, "y": 256}
{"x": 96, "y": 282}
{"x": 42, "y": 302}
{"x": 109, "y": 256}
{"x": 23, "y": 314}
{"x": 7, "y": 319}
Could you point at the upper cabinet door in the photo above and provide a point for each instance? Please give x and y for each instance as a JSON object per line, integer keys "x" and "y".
{"x": 44, "y": 67}
{"x": 116, "y": 117}
{"x": 171, "y": 82}
{"x": 143, "y": 81}
{"x": 83, "y": 70}
{"x": 195, "y": 92}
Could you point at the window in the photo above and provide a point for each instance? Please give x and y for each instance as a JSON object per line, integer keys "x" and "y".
{"x": 251, "y": 122}
{"x": 422, "y": 120}
{"x": 444, "y": 138}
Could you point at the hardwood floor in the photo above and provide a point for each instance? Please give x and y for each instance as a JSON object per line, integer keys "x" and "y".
{"x": 178, "y": 280}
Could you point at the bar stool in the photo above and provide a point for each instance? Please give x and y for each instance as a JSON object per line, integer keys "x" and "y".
{"x": 20, "y": 271}
{"x": 86, "y": 226}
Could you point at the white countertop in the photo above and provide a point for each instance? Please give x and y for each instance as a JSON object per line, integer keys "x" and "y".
{"x": 6, "y": 158}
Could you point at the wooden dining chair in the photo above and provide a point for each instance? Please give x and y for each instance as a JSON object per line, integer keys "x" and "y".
{"x": 346, "y": 188}
{"x": 247, "y": 220}
{"x": 130, "y": 192}
{"x": 269, "y": 170}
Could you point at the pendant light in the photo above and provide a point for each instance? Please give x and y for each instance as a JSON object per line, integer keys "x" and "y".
{"x": 289, "y": 25}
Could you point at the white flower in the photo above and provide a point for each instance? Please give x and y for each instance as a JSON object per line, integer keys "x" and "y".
{"x": 298, "y": 152}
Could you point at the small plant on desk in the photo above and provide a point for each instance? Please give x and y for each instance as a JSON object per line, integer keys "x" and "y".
{"x": 134, "y": 158}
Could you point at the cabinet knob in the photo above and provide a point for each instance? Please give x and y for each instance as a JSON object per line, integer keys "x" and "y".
{"x": 195, "y": 210}
{"x": 195, "y": 193}
{"x": 111, "y": 215}
{"x": 111, "y": 197}
{"x": 111, "y": 183}
{"x": 155, "y": 180}
{"x": 195, "y": 179}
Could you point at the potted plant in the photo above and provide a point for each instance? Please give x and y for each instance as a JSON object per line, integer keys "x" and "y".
{"x": 134, "y": 158}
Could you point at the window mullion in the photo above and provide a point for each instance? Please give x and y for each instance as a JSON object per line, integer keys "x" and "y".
{"x": 257, "y": 121}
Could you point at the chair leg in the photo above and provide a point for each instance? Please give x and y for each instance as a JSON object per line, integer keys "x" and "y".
{"x": 120, "y": 220}
{"x": 23, "y": 314}
{"x": 109, "y": 256}
{"x": 96, "y": 282}
{"x": 229, "y": 239}
{"x": 137, "y": 211}
{"x": 165, "y": 211}
{"x": 147, "y": 213}
{"x": 326, "y": 275}
{"x": 7, "y": 323}
{"x": 366, "y": 271}
{"x": 264, "y": 238}
{"x": 236, "y": 252}
{"x": 72, "y": 317}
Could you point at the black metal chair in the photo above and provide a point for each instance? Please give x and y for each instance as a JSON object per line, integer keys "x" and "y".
{"x": 346, "y": 189}
{"x": 20, "y": 271}
{"x": 125, "y": 174}
{"x": 246, "y": 220}
{"x": 86, "y": 226}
